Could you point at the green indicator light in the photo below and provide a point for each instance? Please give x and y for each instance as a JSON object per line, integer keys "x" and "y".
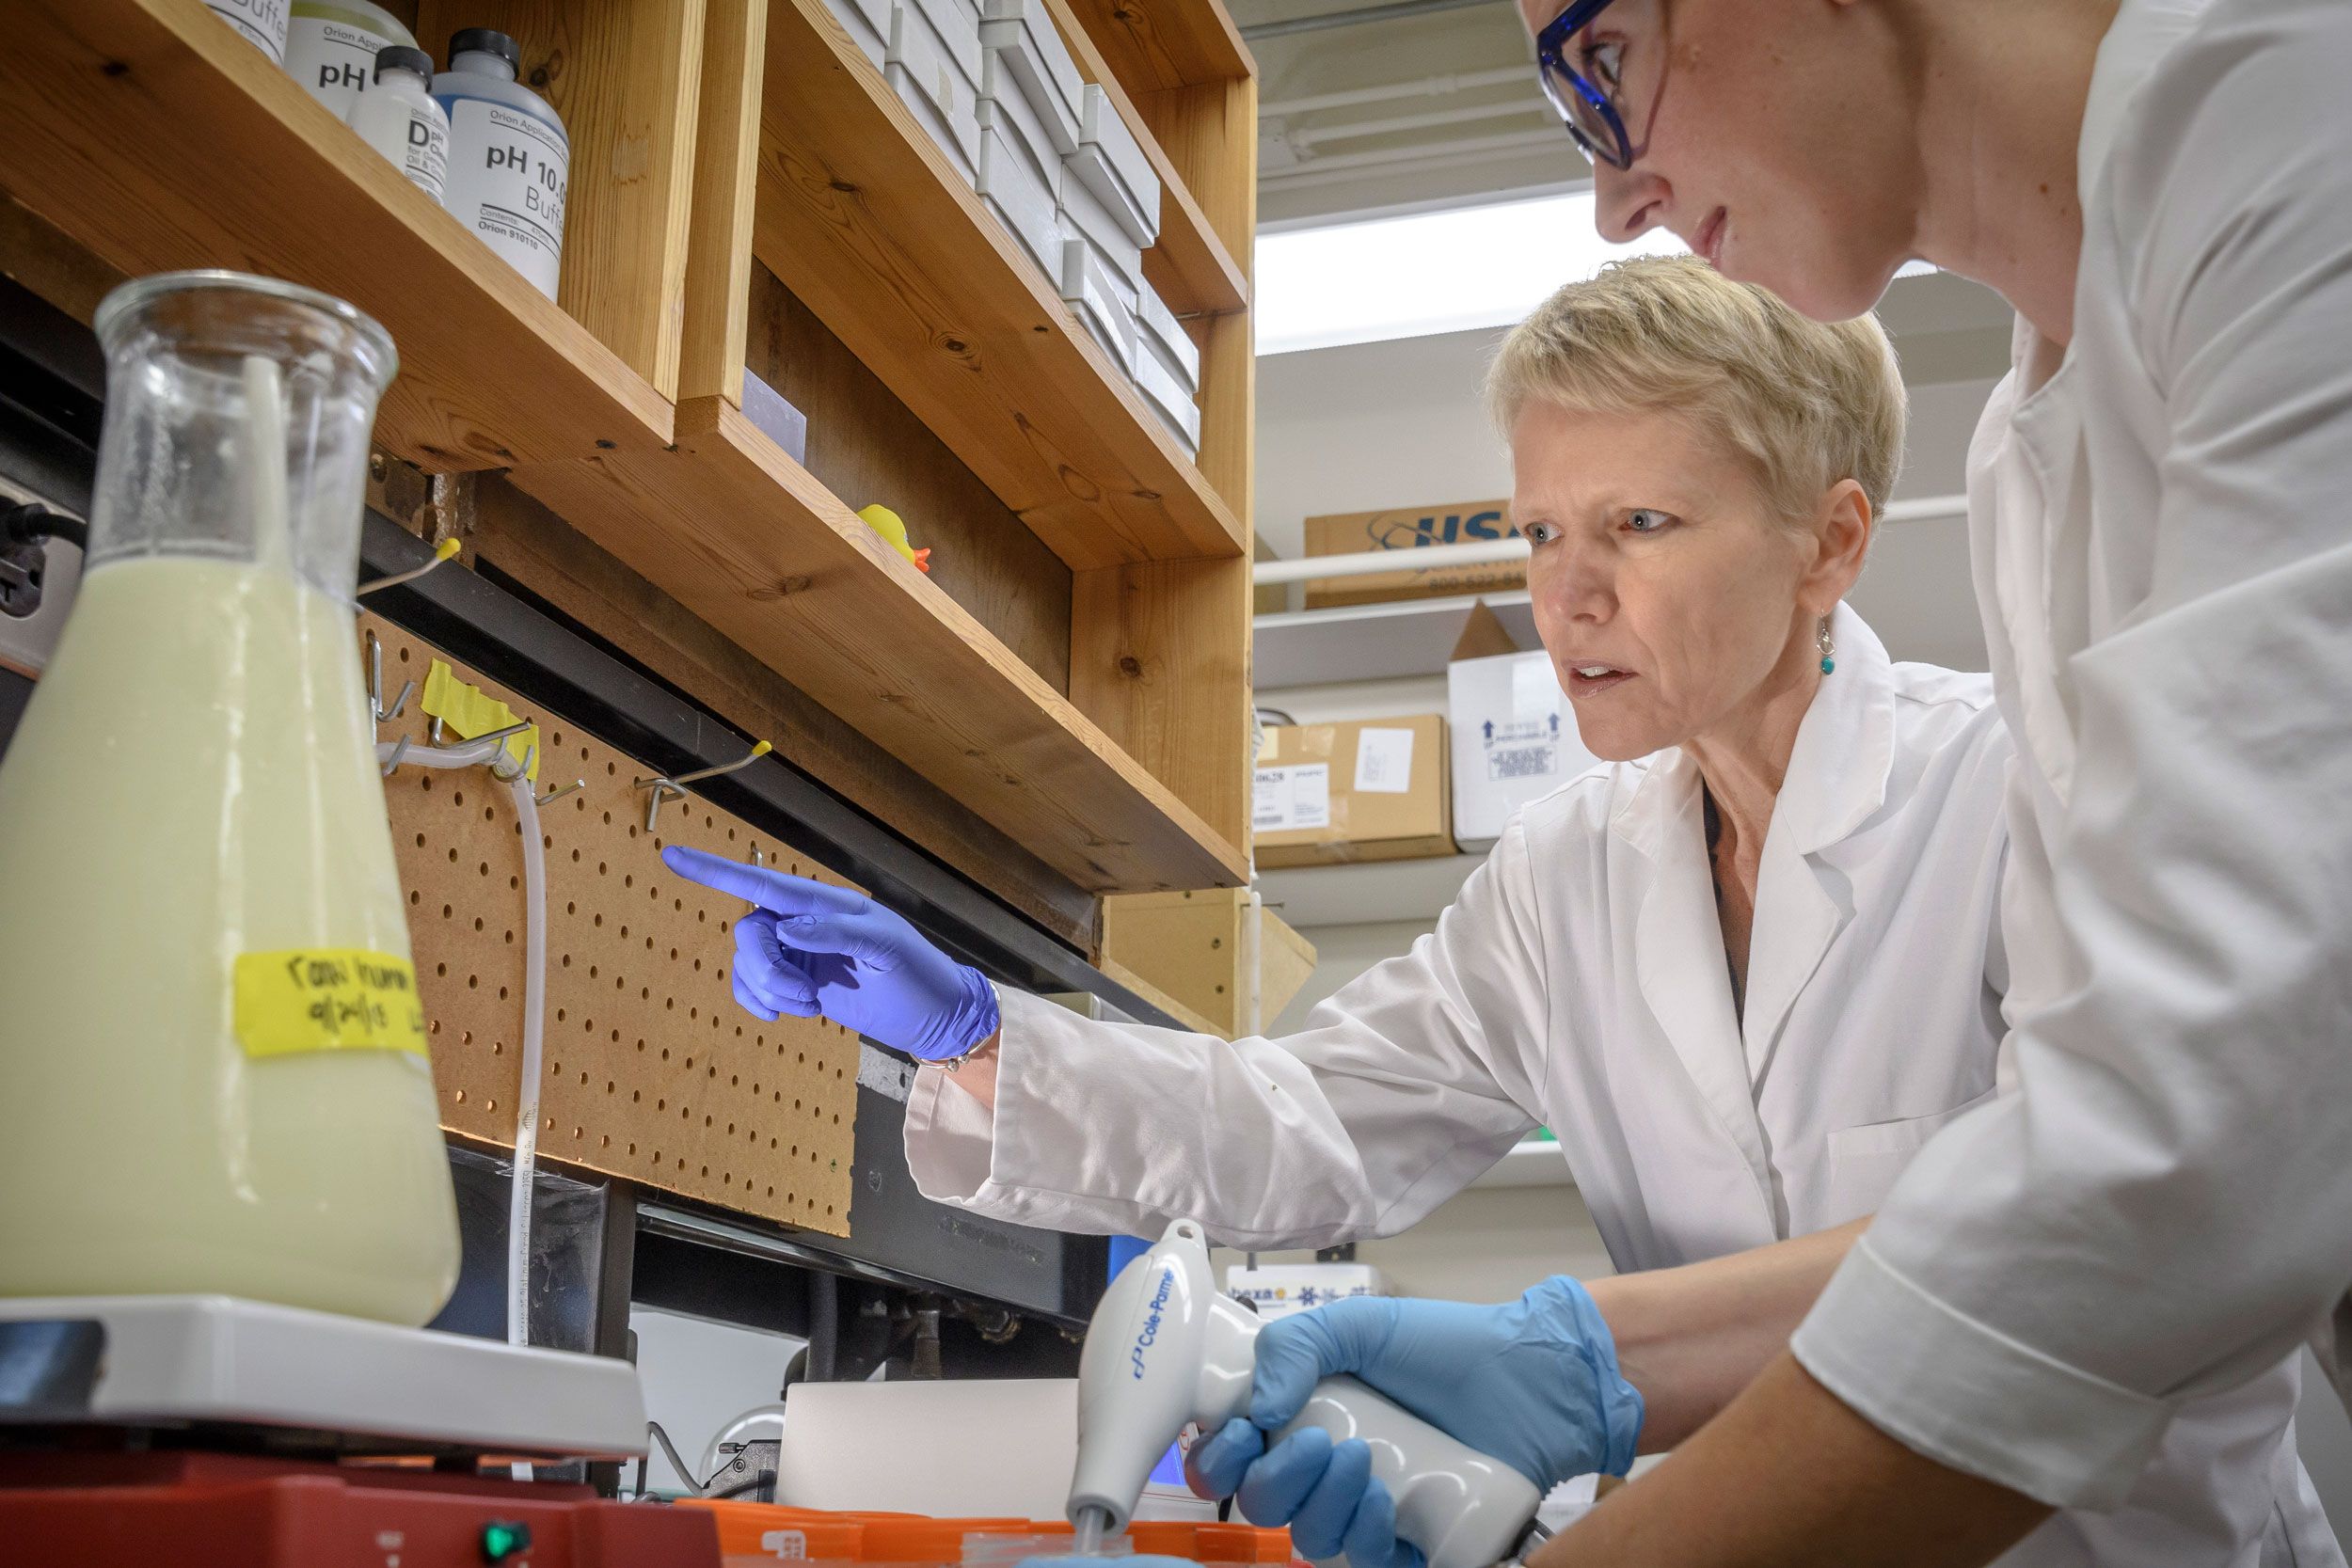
{"x": 503, "y": 1538}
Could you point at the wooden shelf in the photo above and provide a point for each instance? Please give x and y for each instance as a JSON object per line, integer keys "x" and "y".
{"x": 1191, "y": 267}
{"x": 1155, "y": 45}
{"x": 707, "y": 135}
{"x": 747, "y": 539}
{"x": 866, "y": 221}
{"x": 173, "y": 143}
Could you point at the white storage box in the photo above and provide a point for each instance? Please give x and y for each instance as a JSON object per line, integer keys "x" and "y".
{"x": 1086, "y": 219}
{"x": 869, "y": 22}
{"x": 1169, "y": 398}
{"x": 1020, "y": 179}
{"x": 1158, "y": 330}
{"x": 1013, "y": 191}
{"x": 1025, "y": 34}
{"x": 1111, "y": 162}
{"x": 1513, "y": 740}
{"x": 934, "y": 65}
{"x": 1091, "y": 293}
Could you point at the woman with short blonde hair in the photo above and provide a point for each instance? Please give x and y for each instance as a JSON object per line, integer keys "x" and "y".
{"x": 1740, "y": 969}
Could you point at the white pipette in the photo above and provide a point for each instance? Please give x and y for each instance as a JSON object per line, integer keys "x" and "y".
{"x": 1167, "y": 1348}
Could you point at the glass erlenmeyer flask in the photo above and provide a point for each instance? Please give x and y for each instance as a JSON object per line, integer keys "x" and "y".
{"x": 211, "y": 1059}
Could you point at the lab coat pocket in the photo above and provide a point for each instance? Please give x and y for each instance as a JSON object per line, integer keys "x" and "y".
{"x": 1864, "y": 1162}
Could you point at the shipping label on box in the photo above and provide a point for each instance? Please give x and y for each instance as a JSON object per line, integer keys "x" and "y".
{"x": 1513, "y": 740}
{"x": 1363, "y": 790}
{"x": 1404, "y": 532}
{"x": 1294, "y": 797}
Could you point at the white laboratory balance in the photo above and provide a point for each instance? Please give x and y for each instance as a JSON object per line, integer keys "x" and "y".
{"x": 216, "y": 1432}
{"x": 255, "y": 1375}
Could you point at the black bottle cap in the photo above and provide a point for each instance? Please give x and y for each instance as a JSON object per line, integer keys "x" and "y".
{"x": 484, "y": 40}
{"x": 399, "y": 57}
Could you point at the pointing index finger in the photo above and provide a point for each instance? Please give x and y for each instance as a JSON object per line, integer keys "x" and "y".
{"x": 771, "y": 890}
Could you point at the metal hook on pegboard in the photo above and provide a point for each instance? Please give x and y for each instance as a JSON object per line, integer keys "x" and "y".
{"x": 662, "y": 787}
{"x": 376, "y": 685}
{"x": 449, "y": 549}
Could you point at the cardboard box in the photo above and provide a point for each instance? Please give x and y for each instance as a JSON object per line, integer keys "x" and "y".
{"x": 1514, "y": 730}
{"x": 1194, "y": 948}
{"x": 1513, "y": 740}
{"x": 1404, "y": 531}
{"x": 1370, "y": 789}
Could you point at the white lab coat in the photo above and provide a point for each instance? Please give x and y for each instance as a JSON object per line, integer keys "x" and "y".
{"x": 1579, "y": 982}
{"x": 2162, "y": 533}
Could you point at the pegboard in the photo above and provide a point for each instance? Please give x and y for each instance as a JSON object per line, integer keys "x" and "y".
{"x": 651, "y": 1072}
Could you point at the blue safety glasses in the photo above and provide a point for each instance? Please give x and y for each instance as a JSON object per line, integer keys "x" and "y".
{"x": 1587, "y": 81}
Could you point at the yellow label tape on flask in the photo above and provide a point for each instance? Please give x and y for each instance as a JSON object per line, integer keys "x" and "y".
{"x": 471, "y": 711}
{"x": 327, "y": 999}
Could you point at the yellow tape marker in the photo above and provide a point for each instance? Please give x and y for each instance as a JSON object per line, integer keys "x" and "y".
{"x": 327, "y": 999}
{"x": 470, "y": 711}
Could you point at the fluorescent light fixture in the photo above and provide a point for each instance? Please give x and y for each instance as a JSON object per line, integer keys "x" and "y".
{"x": 1455, "y": 270}
{"x": 1451, "y": 271}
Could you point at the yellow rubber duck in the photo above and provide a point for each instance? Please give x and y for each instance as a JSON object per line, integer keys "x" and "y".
{"x": 892, "y": 528}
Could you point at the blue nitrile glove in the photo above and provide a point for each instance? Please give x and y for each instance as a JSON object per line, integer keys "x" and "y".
{"x": 1534, "y": 1384}
{"x": 814, "y": 950}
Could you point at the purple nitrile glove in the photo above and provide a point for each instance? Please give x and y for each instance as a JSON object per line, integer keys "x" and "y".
{"x": 813, "y": 950}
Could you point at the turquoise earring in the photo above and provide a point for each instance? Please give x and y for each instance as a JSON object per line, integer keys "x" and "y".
{"x": 1829, "y": 649}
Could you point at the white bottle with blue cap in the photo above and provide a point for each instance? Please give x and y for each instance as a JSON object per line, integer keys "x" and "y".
{"x": 400, "y": 120}
{"x": 509, "y": 158}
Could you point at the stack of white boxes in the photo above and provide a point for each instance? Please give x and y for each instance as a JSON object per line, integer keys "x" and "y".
{"x": 1167, "y": 369}
{"x": 993, "y": 84}
{"x": 868, "y": 24}
{"x": 1030, "y": 93}
{"x": 931, "y": 59}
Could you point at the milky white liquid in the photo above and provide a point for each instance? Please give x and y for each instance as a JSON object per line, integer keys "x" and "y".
{"x": 195, "y": 780}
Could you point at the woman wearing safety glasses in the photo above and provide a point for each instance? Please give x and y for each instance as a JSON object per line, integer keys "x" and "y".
{"x": 2112, "y": 1264}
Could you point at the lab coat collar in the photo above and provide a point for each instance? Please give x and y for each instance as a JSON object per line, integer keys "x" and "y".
{"x": 1679, "y": 964}
{"x": 1845, "y": 749}
{"x": 1837, "y": 778}
{"x": 2142, "y": 33}
{"x": 1837, "y": 770}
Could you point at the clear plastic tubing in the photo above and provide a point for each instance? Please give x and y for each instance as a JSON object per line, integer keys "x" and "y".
{"x": 534, "y": 1013}
{"x": 534, "y": 1026}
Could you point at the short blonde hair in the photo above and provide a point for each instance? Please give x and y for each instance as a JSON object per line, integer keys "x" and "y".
{"x": 1807, "y": 403}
